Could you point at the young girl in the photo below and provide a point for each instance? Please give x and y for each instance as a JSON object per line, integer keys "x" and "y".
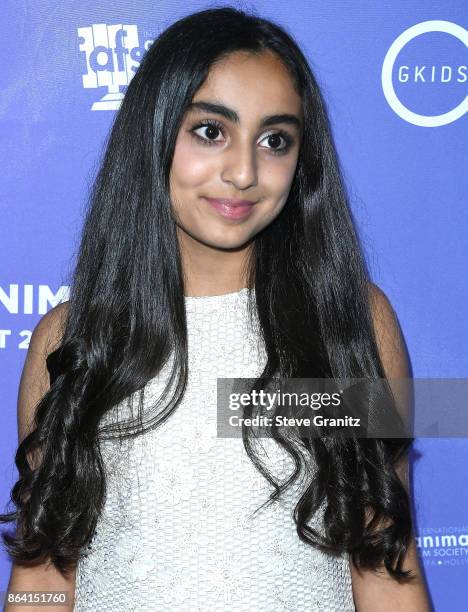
{"x": 218, "y": 243}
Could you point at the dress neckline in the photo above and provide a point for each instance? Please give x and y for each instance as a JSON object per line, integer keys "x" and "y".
{"x": 233, "y": 302}
{"x": 221, "y": 297}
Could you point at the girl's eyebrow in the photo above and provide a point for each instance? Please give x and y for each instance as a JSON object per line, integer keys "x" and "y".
{"x": 231, "y": 115}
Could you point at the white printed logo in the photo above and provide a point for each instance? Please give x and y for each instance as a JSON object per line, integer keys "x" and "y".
{"x": 443, "y": 546}
{"x": 113, "y": 54}
{"x": 26, "y": 300}
{"x": 419, "y": 76}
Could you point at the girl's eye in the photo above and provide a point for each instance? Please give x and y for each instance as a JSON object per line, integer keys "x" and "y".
{"x": 276, "y": 137}
{"x": 212, "y": 129}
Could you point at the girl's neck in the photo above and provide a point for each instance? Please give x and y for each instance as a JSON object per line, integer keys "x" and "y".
{"x": 209, "y": 271}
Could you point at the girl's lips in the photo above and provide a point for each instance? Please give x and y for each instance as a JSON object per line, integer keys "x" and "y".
{"x": 232, "y": 209}
{"x": 228, "y": 202}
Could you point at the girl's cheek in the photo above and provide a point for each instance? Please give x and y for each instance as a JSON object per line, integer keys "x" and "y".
{"x": 191, "y": 165}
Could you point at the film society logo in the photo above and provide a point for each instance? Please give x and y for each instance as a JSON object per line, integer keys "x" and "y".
{"x": 112, "y": 54}
{"x": 422, "y": 74}
{"x": 443, "y": 546}
{"x": 26, "y": 300}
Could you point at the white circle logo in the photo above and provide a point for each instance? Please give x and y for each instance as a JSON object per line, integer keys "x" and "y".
{"x": 407, "y": 36}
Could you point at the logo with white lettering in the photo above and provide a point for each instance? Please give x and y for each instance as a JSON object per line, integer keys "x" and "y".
{"x": 443, "y": 72}
{"x": 112, "y": 54}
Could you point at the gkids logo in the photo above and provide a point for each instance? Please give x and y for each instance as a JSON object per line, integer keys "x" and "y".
{"x": 112, "y": 54}
{"x": 422, "y": 74}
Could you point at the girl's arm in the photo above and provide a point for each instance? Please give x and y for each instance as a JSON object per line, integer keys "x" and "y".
{"x": 381, "y": 593}
{"x": 33, "y": 385}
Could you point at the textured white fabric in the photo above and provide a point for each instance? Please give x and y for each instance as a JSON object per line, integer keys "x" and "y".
{"x": 175, "y": 534}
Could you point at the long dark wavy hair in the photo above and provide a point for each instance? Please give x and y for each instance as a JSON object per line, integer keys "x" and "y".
{"x": 126, "y": 314}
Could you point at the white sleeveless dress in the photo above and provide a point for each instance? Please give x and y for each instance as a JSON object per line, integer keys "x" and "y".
{"x": 176, "y": 534}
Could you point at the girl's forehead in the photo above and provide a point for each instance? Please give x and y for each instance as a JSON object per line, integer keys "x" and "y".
{"x": 258, "y": 83}
{"x": 244, "y": 65}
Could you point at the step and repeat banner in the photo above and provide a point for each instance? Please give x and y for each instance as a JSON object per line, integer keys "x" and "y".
{"x": 394, "y": 76}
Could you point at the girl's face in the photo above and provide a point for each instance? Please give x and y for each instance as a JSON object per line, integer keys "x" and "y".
{"x": 239, "y": 140}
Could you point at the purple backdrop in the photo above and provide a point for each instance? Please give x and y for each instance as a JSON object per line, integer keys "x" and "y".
{"x": 395, "y": 79}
